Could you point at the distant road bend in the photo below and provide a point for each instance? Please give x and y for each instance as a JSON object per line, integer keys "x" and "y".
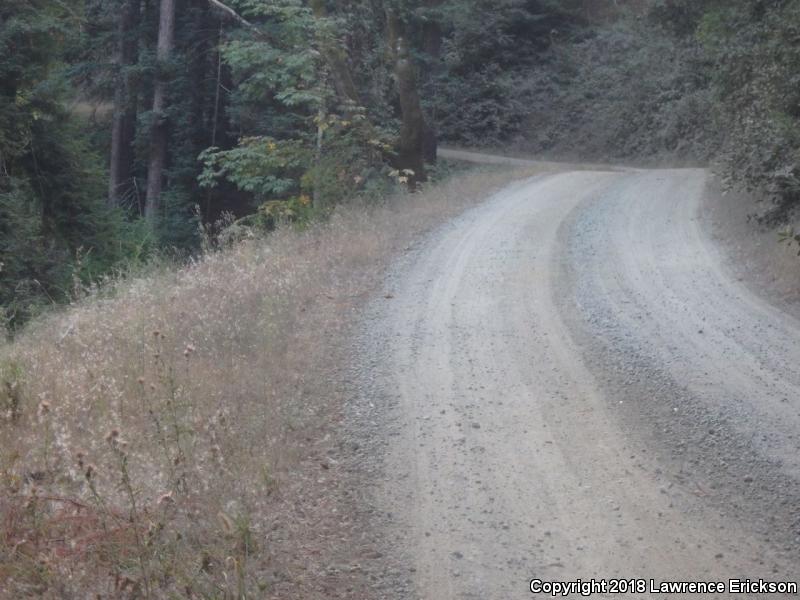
{"x": 575, "y": 385}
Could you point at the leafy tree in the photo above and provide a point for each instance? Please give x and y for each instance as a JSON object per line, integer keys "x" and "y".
{"x": 306, "y": 134}
{"x": 279, "y": 109}
{"x": 51, "y": 186}
{"x": 755, "y": 60}
{"x": 158, "y": 117}
{"x": 488, "y": 49}
{"x": 123, "y": 128}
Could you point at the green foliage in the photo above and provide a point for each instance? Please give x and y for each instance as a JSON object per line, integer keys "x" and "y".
{"x": 506, "y": 33}
{"x": 262, "y": 166}
{"x": 756, "y": 58}
{"x": 277, "y": 92}
{"x": 51, "y": 186}
{"x": 488, "y": 49}
{"x": 260, "y": 130}
{"x": 12, "y": 378}
{"x": 697, "y": 79}
{"x": 268, "y": 71}
{"x": 346, "y": 164}
{"x": 681, "y": 17}
{"x": 296, "y": 144}
{"x": 276, "y": 75}
{"x": 29, "y": 269}
{"x": 481, "y": 108}
{"x": 626, "y": 91}
{"x": 351, "y": 160}
{"x": 257, "y": 107}
{"x": 270, "y": 214}
{"x": 30, "y": 38}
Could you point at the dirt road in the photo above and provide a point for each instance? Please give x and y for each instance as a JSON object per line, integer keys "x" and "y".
{"x": 568, "y": 382}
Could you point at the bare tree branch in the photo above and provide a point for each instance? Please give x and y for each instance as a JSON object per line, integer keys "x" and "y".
{"x": 232, "y": 14}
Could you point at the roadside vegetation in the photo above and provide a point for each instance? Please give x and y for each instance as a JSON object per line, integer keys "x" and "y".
{"x": 169, "y": 437}
{"x": 127, "y": 127}
{"x": 672, "y": 82}
{"x": 194, "y": 195}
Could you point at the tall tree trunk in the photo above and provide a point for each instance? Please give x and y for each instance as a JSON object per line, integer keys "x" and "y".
{"x": 432, "y": 38}
{"x": 203, "y": 68}
{"x": 123, "y": 128}
{"x": 336, "y": 59}
{"x": 411, "y": 148}
{"x": 217, "y": 86}
{"x": 321, "y": 115}
{"x": 158, "y": 135}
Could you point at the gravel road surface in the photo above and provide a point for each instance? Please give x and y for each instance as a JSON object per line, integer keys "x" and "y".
{"x": 568, "y": 382}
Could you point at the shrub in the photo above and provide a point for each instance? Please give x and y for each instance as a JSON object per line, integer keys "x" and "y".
{"x": 624, "y": 91}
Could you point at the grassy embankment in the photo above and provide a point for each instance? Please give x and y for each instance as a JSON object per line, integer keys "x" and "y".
{"x": 165, "y": 439}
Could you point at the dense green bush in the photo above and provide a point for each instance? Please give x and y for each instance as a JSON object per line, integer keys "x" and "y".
{"x": 489, "y": 48}
{"x": 705, "y": 81}
{"x": 621, "y": 91}
{"x": 481, "y": 109}
{"x": 56, "y": 233}
{"x": 756, "y": 71}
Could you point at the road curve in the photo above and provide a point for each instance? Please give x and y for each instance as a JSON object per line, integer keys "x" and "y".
{"x": 571, "y": 384}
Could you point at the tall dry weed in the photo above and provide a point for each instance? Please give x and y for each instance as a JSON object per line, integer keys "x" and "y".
{"x": 150, "y": 436}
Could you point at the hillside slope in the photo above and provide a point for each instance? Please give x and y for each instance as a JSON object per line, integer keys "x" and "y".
{"x": 179, "y": 433}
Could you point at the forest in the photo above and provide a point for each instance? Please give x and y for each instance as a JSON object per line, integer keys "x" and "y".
{"x": 133, "y": 128}
{"x": 205, "y": 352}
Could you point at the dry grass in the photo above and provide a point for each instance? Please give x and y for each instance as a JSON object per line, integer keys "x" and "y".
{"x": 165, "y": 441}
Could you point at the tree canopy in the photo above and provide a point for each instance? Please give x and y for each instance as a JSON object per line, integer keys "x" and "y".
{"x": 125, "y": 125}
